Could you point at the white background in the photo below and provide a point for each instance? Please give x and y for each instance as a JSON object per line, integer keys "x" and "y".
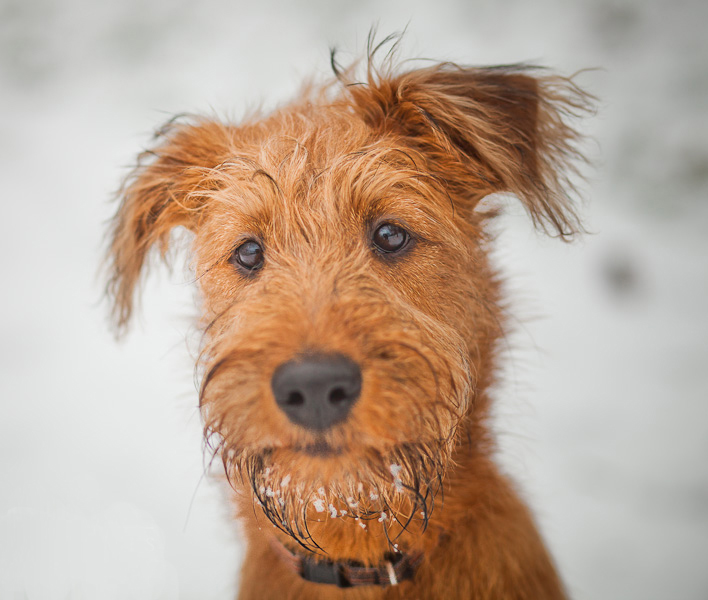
{"x": 603, "y": 415}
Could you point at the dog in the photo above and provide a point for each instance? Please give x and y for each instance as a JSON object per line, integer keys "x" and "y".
{"x": 351, "y": 319}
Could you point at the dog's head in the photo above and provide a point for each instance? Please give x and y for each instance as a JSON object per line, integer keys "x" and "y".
{"x": 349, "y": 311}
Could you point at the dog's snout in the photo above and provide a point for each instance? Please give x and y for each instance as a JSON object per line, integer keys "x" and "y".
{"x": 317, "y": 391}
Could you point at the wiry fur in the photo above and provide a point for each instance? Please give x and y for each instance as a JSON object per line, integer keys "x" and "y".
{"x": 410, "y": 468}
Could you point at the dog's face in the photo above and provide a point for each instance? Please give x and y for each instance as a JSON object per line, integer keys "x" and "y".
{"x": 349, "y": 311}
{"x": 329, "y": 251}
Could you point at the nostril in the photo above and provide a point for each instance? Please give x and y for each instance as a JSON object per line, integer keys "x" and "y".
{"x": 295, "y": 399}
{"x": 337, "y": 395}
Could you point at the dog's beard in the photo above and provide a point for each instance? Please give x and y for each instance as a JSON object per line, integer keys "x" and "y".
{"x": 367, "y": 475}
{"x": 392, "y": 491}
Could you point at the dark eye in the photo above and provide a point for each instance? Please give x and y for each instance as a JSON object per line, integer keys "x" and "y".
{"x": 389, "y": 238}
{"x": 248, "y": 256}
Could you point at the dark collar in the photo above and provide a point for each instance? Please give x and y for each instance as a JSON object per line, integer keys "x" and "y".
{"x": 397, "y": 567}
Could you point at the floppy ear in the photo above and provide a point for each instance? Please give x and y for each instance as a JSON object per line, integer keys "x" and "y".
{"x": 167, "y": 189}
{"x": 485, "y": 130}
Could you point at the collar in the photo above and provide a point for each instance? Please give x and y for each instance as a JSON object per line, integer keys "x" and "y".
{"x": 396, "y": 568}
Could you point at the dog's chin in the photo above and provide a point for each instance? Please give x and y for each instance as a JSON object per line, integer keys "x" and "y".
{"x": 343, "y": 472}
{"x": 324, "y": 460}
{"x": 320, "y": 484}
{"x": 316, "y": 463}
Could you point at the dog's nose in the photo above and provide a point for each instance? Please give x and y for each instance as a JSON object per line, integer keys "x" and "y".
{"x": 317, "y": 391}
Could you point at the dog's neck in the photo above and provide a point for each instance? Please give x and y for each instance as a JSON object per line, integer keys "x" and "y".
{"x": 476, "y": 502}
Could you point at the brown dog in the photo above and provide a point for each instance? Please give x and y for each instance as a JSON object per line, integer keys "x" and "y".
{"x": 351, "y": 320}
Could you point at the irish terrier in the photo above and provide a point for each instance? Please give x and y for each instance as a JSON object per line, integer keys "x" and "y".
{"x": 351, "y": 320}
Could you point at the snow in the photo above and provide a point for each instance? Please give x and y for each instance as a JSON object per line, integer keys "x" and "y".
{"x": 601, "y": 413}
{"x": 397, "y": 482}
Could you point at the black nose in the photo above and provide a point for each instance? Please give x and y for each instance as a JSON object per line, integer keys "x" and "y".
{"x": 317, "y": 391}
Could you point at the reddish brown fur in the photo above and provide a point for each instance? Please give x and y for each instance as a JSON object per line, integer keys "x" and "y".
{"x": 310, "y": 182}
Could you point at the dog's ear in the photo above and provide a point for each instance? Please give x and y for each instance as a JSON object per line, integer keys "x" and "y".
{"x": 485, "y": 130}
{"x": 167, "y": 189}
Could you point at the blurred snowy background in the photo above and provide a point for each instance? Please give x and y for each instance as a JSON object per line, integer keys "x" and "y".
{"x": 603, "y": 417}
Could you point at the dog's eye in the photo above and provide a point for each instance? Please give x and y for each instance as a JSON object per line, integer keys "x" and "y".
{"x": 389, "y": 238}
{"x": 248, "y": 256}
